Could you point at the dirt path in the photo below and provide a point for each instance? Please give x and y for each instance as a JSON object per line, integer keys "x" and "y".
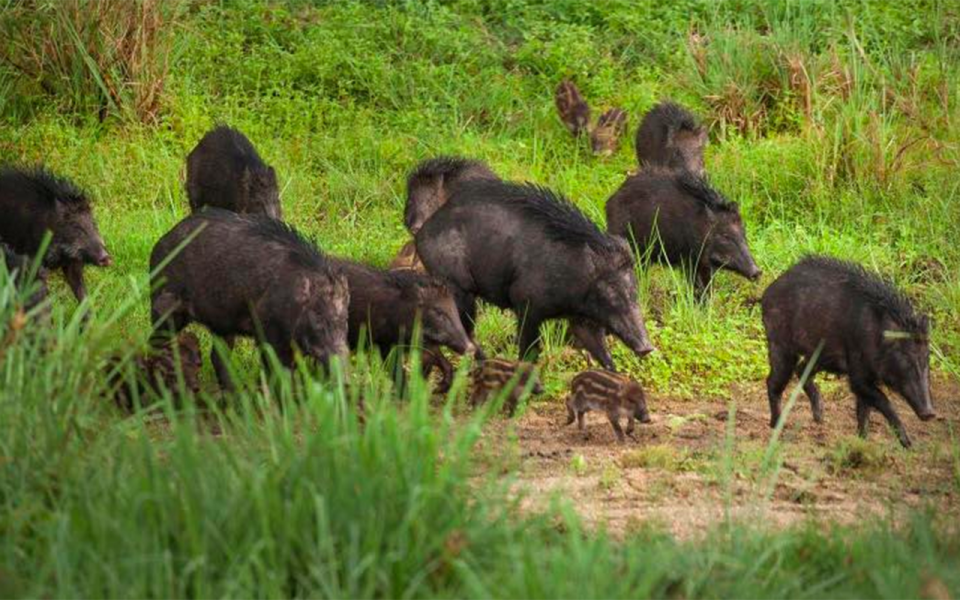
{"x": 680, "y": 471}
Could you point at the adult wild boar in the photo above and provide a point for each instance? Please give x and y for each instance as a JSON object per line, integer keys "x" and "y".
{"x": 249, "y": 275}
{"x": 225, "y": 171}
{"x": 35, "y": 201}
{"x": 685, "y": 220}
{"x": 386, "y": 305}
{"x": 869, "y": 331}
{"x": 525, "y": 248}
{"x": 669, "y": 136}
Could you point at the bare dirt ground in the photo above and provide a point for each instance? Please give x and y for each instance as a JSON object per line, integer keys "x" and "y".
{"x": 685, "y": 471}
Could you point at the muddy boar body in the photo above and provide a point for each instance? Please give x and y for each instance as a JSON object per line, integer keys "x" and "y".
{"x": 385, "y": 306}
{"x": 572, "y": 108}
{"x": 18, "y": 267}
{"x": 870, "y": 332}
{"x": 252, "y": 276}
{"x": 605, "y": 137}
{"x": 495, "y": 374}
{"x": 685, "y": 220}
{"x": 162, "y": 369}
{"x": 225, "y": 171}
{"x": 611, "y": 393}
{"x": 524, "y": 248}
{"x": 35, "y": 201}
{"x": 669, "y": 136}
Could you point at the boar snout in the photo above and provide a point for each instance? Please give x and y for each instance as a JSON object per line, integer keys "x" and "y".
{"x": 630, "y": 329}
{"x": 104, "y": 259}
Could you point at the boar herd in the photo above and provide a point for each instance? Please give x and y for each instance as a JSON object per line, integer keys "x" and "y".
{"x": 235, "y": 267}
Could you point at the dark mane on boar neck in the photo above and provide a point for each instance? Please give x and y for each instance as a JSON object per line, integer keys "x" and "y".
{"x": 302, "y": 250}
{"x": 699, "y": 188}
{"x": 46, "y": 185}
{"x": 875, "y": 289}
{"x": 562, "y": 220}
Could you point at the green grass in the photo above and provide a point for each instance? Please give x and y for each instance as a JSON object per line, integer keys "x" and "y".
{"x": 834, "y": 125}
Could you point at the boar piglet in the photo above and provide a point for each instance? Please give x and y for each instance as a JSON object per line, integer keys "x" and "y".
{"x": 572, "y": 108}
{"x": 430, "y": 184}
{"x": 865, "y": 329}
{"x": 614, "y": 394}
{"x": 385, "y": 306}
{"x": 525, "y": 248}
{"x": 18, "y": 267}
{"x": 34, "y": 201}
{"x": 605, "y": 137}
{"x": 686, "y": 222}
{"x": 250, "y": 275}
{"x": 225, "y": 171}
{"x": 496, "y": 374}
{"x": 161, "y": 369}
{"x": 669, "y": 136}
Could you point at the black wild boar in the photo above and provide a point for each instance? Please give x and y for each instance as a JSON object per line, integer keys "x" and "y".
{"x": 605, "y": 137}
{"x": 528, "y": 249}
{"x": 574, "y": 110}
{"x": 687, "y": 222}
{"x": 225, "y": 171}
{"x": 386, "y": 304}
{"x": 407, "y": 259}
{"x": 614, "y": 394}
{"x": 669, "y": 136}
{"x": 254, "y": 276}
{"x": 34, "y": 201}
{"x": 18, "y": 267}
{"x": 163, "y": 368}
{"x": 429, "y": 186}
{"x": 495, "y": 374}
{"x": 869, "y": 331}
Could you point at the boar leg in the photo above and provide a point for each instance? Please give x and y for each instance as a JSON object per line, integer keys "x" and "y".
{"x": 433, "y": 357}
{"x": 571, "y": 413}
{"x": 591, "y": 336}
{"x": 467, "y": 307}
{"x": 875, "y": 398}
{"x": 512, "y": 401}
{"x": 812, "y": 391}
{"x": 168, "y": 318}
{"x": 615, "y": 421}
{"x": 284, "y": 352}
{"x": 529, "y": 335}
{"x": 631, "y": 423}
{"x": 73, "y": 273}
{"x": 863, "y": 416}
{"x": 782, "y": 366}
{"x": 220, "y": 366}
{"x": 701, "y": 281}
